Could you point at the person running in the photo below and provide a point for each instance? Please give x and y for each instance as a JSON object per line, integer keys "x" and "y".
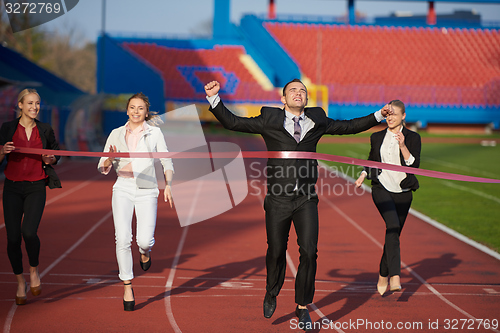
{"x": 24, "y": 191}
{"x": 136, "y": 188}
{"x": 392, "y": 190}
{"x": 291, "y": 194}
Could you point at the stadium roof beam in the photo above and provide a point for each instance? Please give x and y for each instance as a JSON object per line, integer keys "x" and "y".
{"x": 431, "y": 13}
{"x": 222, "y": 21}
{"x": 272, "y": 10}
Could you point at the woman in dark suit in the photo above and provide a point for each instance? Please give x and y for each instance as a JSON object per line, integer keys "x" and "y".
{"x": 392, "y": 190}
{"x": 26, "y": 176}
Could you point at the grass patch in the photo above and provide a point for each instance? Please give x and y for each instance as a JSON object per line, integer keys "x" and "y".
{"x": 473, "y": 209}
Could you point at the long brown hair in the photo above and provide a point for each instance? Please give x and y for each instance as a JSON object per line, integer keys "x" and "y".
{"x": 145, "y": 99}
{"x": 152, "y": 116}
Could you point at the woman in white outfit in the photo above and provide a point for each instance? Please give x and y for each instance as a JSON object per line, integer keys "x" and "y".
{"x": 135, "y": 188}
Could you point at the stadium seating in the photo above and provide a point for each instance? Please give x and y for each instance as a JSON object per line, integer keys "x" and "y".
{"x": 361, "y": 64}
{"x": 185, "y": 71}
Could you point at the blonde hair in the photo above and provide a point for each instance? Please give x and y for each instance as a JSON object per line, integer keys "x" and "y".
{"x": 401, "y": 105}
{"x": 26, "y": 92}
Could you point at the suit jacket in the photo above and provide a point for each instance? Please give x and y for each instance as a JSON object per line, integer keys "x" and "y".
{"x": 284, "y": 174}
{"x": 152, "y": 140}
{"x": 48, "y": 141}
{"x": 412, "y": 142}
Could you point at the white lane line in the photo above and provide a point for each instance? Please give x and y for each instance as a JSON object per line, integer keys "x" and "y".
{"x": 217, "y": 295}
{"x": 263, "y": 279}
{"x": 146, "y": 297}
{"x": 411, "y": 271}
{"x": 80, "y": 298}
{"x": 87, "y": 234}
{"x": 103, "y": 276}
{"x": 112, "y": 283}
{"x": 328, "y": 292}
{"x": 170, "y": 281}
{"x": 491, "y": 291}
{"x": 444, "y": 299}
{"x": 355, "y": 291}
{"x": 216, "y": 279}
{"x": 455, "y": 234}
{"x": 289, "y": 261}
{"x": 10, "y": 316}
{"x": 73, "y": 189}
{"x": 313, "y": 306}
{"x": 470, "y": 190}
{"x": 432, "y": 222}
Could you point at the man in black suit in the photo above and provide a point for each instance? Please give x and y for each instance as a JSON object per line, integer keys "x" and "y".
{"x": 291, "y": 194}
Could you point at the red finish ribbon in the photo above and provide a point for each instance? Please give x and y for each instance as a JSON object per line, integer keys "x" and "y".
{"x": 266, "y": 154}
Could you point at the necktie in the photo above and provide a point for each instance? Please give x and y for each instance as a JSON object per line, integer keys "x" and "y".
{"x": 297, "y": 131}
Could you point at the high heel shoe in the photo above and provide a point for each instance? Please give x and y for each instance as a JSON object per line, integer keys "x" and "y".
{"x": 396, "y": 288}
{"x": 382, "y": 288}
{"x": 395, "y": 283}
{"x": 145, "y": 265}
{"x": 35, "y": 291}
{"x": 21, "y": 300}
{"x": 129, "y": 305}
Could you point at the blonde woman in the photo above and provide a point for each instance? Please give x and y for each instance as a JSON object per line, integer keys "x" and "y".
{"x": 24, "y": 193}
{"x": 136, "y": 188}
{"x": 392, "y": 190}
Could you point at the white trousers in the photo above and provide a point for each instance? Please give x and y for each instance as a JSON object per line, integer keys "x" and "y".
{"x": 126, "y": 198}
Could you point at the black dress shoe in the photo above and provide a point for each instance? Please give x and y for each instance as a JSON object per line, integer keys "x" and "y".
{"x": 269, "y": 305}
{"x": 305, "y": 322}
{"x": 129, "y": 305}
{"x": 145, "y": 265}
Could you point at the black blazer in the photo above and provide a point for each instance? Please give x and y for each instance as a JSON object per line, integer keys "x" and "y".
{"x": 283, "y": 173}
{"x": 48, "y": 141}
{"x": 414, "y": 145}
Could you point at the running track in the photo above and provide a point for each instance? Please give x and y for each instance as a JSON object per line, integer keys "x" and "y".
{"x": 210, "y": 277}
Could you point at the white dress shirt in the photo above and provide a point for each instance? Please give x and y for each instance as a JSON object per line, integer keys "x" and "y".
{"x": 390, "y": 154}
{"x": 305, "y": 122}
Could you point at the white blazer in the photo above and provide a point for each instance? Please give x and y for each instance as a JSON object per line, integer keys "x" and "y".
{"x": 152, "y": 140}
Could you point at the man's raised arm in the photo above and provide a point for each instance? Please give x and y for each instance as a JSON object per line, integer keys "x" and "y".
{"x": 226, "y": 117}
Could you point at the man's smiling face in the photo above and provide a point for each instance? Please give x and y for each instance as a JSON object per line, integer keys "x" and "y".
{"x": 295, "y": 97}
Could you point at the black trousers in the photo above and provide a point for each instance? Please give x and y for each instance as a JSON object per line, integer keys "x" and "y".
{"x": 280, "y": 212}
{"x": 394, "y": 209}
{"x": 28, "y": 199}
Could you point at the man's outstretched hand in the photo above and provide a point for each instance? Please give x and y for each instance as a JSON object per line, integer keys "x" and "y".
{"x": 386, "y": 110}
{"x": 212, "y": 88}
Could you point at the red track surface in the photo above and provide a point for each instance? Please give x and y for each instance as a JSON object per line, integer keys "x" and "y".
{"x": 216, "y": 270}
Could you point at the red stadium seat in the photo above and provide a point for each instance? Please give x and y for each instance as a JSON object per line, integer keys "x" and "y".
{"x": 459, "y": 59}
{"x": 185, "y": 71}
